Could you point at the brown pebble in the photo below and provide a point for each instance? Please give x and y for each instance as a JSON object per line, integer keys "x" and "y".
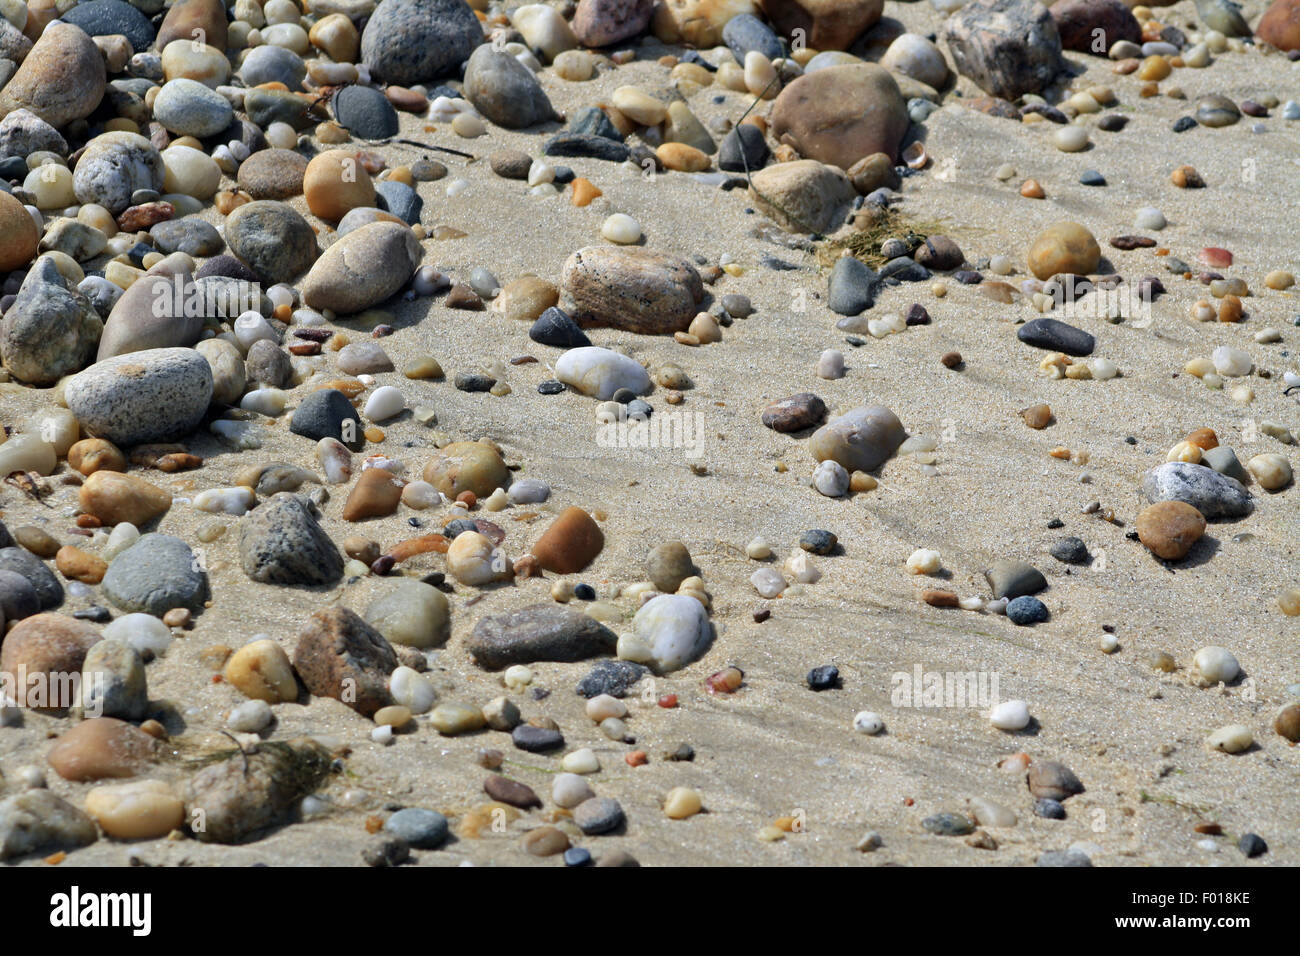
{"x": 511, "y": 792}
{"x": 38, "y": 541}
{"x": 1204, "y": 439}
{"x": 936, "y": 597}
{"x": 570, "y": 543}
{"x": 1031, "y": 189}
{"x": 545, "y": 841}
{"x": 1287, "y": 722}
{"x": 1170, "y": 528}
{"x": 77, "y": 565}
{"x": 1186, "y": 177}
{"x": 178, "y": 617}
{"x": 950, "y": 359}
{"x": 375, "y": 495}
{"x": 1037, "y": 416}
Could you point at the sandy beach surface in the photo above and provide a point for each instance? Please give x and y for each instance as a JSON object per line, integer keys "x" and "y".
{"x": 1133, "y": 735}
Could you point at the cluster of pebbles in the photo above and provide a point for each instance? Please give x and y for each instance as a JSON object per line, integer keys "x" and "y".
{"x": 213, "y": 214}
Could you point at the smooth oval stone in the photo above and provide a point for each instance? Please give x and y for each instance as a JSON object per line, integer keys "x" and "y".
{"x": 504, "y": 90}
{"x": 62, "y": 79}
{"x": 670, "y": 631}
{"x": 364, "y": 111}
{"x": 841, "y": 114}
{"x": 363, "y": 268}
{"x": 1215, "y": 110}
{"x": 1056, "y": 336}
{"x": 859, "y": 440}
{"x": 148, "y": 396}
{"x": 414, "y": 614}
{"x": 630, "y": 288}
{"x": 188, "y": 108}
{"x": 601, "y": 372}
{"x": 273, "y": 64}
{"x": 417, "y": 41}
{"x": 273, "y": 239}
{"x": 156, "y": 574}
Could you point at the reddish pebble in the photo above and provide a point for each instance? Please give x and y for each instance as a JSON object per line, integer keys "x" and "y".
{"x": 668, "y": 701}
{"x": 1215, "y": 258}
{"x": 467, "y": 498}
{"x": 725, "y": 681}
{"x": 637, "y": 758}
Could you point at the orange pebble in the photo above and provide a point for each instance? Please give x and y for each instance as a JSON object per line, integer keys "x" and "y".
{"x": 467, "y": 498}
{"x": 637, "y": 758}
{"x": 584, "y": 191}
{"x": 1030, "y": 189}
{"x": 88, "y": 521}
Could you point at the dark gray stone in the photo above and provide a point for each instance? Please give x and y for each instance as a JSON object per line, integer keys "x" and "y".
{"x": 416, "y": 41}
{"x": 281, "y": 542}
{"x": 365, "y": 112}
{"x": 852, "y": 287}
{"x": 22, "y": 562}
{"x": 324, "y": 414}
{"x": 1056, "y": 336}
{"x": 539, "y": 632}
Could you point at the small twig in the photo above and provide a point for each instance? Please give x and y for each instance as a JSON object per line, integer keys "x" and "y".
{"x": 242, "y": 752}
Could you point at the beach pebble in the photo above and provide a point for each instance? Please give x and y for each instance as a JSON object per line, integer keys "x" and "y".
{"x": 1271, "y": 470}
{"x": 413, "y": 614}
{"x": 868, "y": 722}
{"x": 831, "y": 479}
{"x": 1212, "y": 494}
{"x": 1213, "y": 664}
{"x": 1010, "y": 715}
{"x": 282, "y": 542}
{"x": 250, "y": 717}
{"x": 859, "y": 440}
{"x": 1231, "y": 739}
{"x": 600, "y": 372}
{"x": 668, "y": 632}
{"x": 1170, "y": 528}
{"x": 420, "y": 828}
{"x": 136, "y": 810}
{"x": 682, "y": 802}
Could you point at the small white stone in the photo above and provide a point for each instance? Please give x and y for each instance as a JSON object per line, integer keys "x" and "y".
{"x": 420, "y": 495}
{"x": 605, "y": 705}
{"x": 924, "y": 561}
{"x": 831, "y": 479}
{"x": 1071, "y": 139}
{"x": 265, "y": 401}
{"x": 581, "y": 761}
{"x": 1102, "y": 369}
{"x": 758, "y": 550}
{"x": 1108, "y": 643}
{"x": 227, "y": 501}
{"x": 768, "y": 582}
{"x": 1149, "y": 217}
{"x": 831, "y": 364}
{"x": 412, "y": 690}
{"x": 1214, "y": 664}
{"x": 517, "y": 677}
{"x": 384, "y": 403}
{"x": 144, "y": 632}
{"x": 335, "y": 459}
{"x": 569, "y": 790}
{"x": 540, "y": 172}
{"x": 1231, "y": 739}
{"x": 250, "y": 327}
{"x": 382, "y": 734}
{"x": 800, "y": 567}
{"x": 868, "y": 722}
{"x": 1231, "y": 362}
{"x": 621, "y": 228}
{"x": 250, "y": 717}
{"x": 1010, "y": 715}
{"x": 1271, "y": 470}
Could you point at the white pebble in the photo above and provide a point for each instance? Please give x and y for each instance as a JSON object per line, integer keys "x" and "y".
{"x": 923, "y": 561}
{"x": 250, "y": 717}
{"x": 384, "y": 403}
{"x": 605, "y": 705}
{"x": 1231, "y": 362}
{"x": 621, "y": 228}
{"x": 517, "y": 677}
{"x": 868, "y": 722}
{"x": 831, "y": 479}
{"x": 831, "y": 364}
{"x": 768, "y": 582}
{"x": 569, "y": 790}
{"x": 227, "y": 501}
{"x": 412, "y": 690}
{"x": 144, "y": 632}
{"x": 1215, "y": 664}
{"x": 581, "y": 761}
{"x": 1010, "y": 715}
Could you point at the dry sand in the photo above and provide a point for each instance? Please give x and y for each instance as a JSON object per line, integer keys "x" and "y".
{"x": 775, "y": 747}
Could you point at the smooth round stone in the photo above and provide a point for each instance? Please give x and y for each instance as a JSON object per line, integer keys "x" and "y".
{"x": 364, "y": 111}
{"x": 569, "y": 790}
{"x": 598, "y": 815}
{"x": 682, "y": 802}
{"x": 1149, "y": 217}
{"x": 868, "y": 722}
{"x": 1170, "y": 528}
{"x": 412, "y": 690}
{"x": 420, "y": 828}
{"x": 273, "y": 174}
{"x": 1026, "y": 610}
{"x": 250, "y": 717}
{"x": 915, "y": 56}
{"x": 109, "y": 18}
{"x": 384, "y": 403}
{"x": 188, "y": 108}
{"x": 859, "y": 440}
{"x": 273, "y": 64}
{"x": 335, "y": 183}
{"x": 638, "y": 106}
{"x": 1271, "y": 470}
{"x": 190, "y": 172}
{"x": 260, "y": 670}
{"x": 363, "y": 268}
{"x": 1010, "y": 715}
{"x": 1214, "y": 665}
{"x": 600, "y": 372}
{"x": 1215, "y": 110}
{"x": 668, "y": 632}
{"x": 621, "y": 228}
{"x": 1064, "y": 248}
{"x": 147, "y": 396}
{"x": 1071, "y": 139}
{"x": 831, "y": 479}
{"x": 155, "y": 575}
{"x": 187, "y": 59}
{"x": 413, "y": 614}
{"x": 138, "y": 809}
{"x": 1231, "y": 739}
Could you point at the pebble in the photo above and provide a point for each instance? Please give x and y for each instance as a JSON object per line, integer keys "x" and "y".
{"x": 1026, "y": 610}
{"x": 1170, "y": 528}
{"x": 681, "y": 803}
{"x": 1010, "y": 715}
{"x": 418, "y": 827}
{"x": 1212, "y": 494}
{"x": 668, "y": 632}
